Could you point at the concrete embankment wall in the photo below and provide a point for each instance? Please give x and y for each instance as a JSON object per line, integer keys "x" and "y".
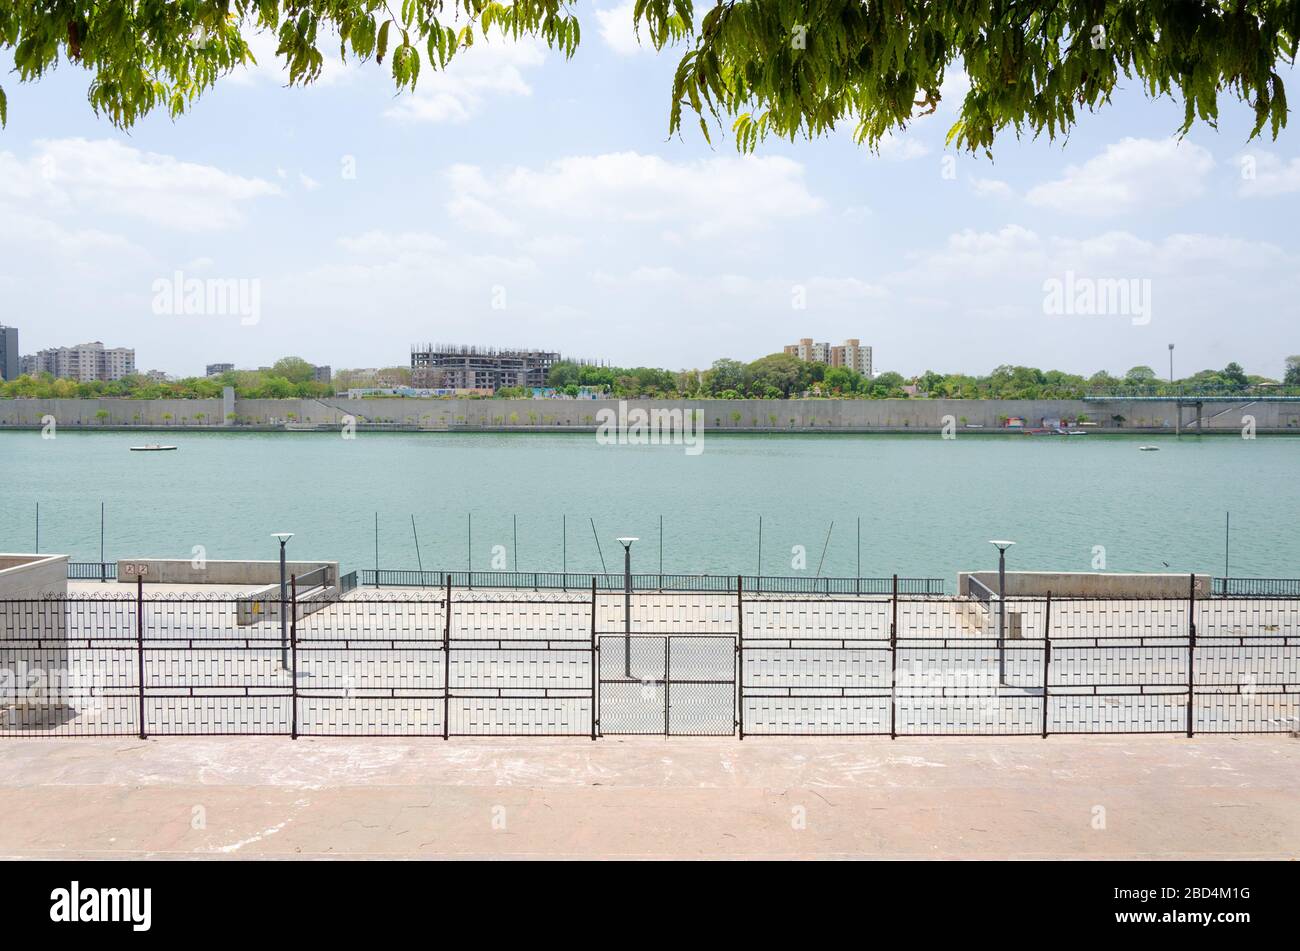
{"x": 1083, "y": 584}
{"x": 907, "y": 415}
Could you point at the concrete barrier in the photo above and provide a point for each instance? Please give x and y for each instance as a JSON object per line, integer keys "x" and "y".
{"x": 1088, "y": 584}
{"x": 252, "y": 573}
{"x": 34, "y": 676}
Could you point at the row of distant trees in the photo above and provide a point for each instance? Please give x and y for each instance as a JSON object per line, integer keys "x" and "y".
{"x": 777, "y": 376}
{"x": 782, "y": 376}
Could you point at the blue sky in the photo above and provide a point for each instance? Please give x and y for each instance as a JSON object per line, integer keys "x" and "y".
{"x": 521, "y": 200}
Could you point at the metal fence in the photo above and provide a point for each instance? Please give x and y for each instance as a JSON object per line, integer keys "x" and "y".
{"x": 1255, "y": 587}
{"x": 92, "y": 570}
{"x": 574, "y": 581}
{"x": 462, "y": 662}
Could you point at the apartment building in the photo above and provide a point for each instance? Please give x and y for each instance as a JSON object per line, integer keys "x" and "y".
{"x": 10, "y": 364}
{"x": 84, "y": 363}
{"x": 850, "y": 354}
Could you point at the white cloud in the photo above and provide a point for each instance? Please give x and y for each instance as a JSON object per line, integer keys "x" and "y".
{"x": 902, "y": 147}
{"x": 79, "y": 176}
{"x": 489, "y": 69}
{"x": 990, "y": 188}
{"x": 617, "y": 30}
{"x": 307, "y": 182}
{"x": 715, "y": 196}
{"x": 1264, "y": 175}
{"x": 1130, "y": 175}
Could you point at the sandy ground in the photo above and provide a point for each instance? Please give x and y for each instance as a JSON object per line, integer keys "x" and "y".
{"x": 249, "y": 797}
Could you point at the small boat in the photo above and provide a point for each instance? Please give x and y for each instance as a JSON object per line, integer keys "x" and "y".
{"x": 1148, "y": 448}
{"x": 152, "y": 448}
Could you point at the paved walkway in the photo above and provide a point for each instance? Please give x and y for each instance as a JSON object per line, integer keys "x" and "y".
{"x": 248, "y": 797}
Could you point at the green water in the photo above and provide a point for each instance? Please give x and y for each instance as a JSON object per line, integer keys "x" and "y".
{"x": 927, "y": 506}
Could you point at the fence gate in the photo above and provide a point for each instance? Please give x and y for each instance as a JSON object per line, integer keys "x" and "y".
{"x": 668, "y": 684}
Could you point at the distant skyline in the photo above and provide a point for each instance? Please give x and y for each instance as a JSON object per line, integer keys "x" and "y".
{"x": 520, "y": 200}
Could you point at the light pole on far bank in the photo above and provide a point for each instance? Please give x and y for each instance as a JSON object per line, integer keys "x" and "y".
{"x": 283, "y": 538}
{"x": 1002, "y": 547}
{"x": 626, "y": 541}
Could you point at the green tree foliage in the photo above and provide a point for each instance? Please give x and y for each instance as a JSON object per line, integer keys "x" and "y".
{"x": 769, "y": 67}
{"x": 1292, "y": 373}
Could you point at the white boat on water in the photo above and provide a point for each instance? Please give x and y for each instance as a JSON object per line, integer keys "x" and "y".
{"x": 1148, "y": 448}
{"x": 152, "y": 448}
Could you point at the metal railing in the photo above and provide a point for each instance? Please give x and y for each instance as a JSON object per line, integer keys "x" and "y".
{"x": 92, "y": 571}
{"x": 462, "y": 662}
{"x": 1255, "y": 587}
{"x": 577, "y": 581}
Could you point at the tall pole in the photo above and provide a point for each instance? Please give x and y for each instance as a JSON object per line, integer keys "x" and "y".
{"x": 469, "y": 542}
{"x": 38, "y": 528}
{"x": 284, "y": 618}
{"x": 1227, "y": 528}
{"x": 758, "y": 570}
{"x": 376, "y": 546}
{"x": 1002, "y": 615}
{"x": 418, "y": 560}
{"x": 564, "y": 551}
{"x": 627, "y": 611}
{"x": 514, "y": 523}
{"x": 859, "y": 574}
{"x": 102, "y": 573}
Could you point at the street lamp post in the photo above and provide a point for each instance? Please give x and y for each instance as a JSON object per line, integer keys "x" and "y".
{"x": 1002, "y": 547}
{"x": 1171, "y": 364}
{"x": 283, "y": 538}
{"x": 626, "y": 542}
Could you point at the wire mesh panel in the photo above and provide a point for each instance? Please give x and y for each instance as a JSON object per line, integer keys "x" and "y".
{"x": 968, "y": 686}
{"x": 633, "y": 681}
{"x": 1247, "y": 666}
{"x": 69, "y": 667}
{"x": 671, "y": 685}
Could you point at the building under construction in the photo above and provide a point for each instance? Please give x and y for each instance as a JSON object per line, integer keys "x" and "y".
{"x": 438, "y": 365}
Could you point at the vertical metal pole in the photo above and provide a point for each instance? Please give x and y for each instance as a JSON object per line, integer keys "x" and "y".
{"x": 38, "y": 528}
{"x": 627, "y": 611}
{"x": 514, "y": 523}
{"x": 668, "y": 667}
{"x": 1227, "y": 528}
{"x": 740, "y": 652}
{"x": 284, "y": 618}
{"x": 469, "y": 547}
{"x": 376, "y": 544}
{"x": 661, "y": 552}
{"x": 293, "y": 659}
{"x": 102, "y": 572}
{"x": 758, "y": 570}
{"x": 1002, "y": 616}
{"x": 139, "y": 645}
{"x": 595, "y": 664}
{"x": 446, "y": 664}
{"x": 1191, "y": 656}
{"x": 859, "y": 574}
{"x": 893, "y": 661}
{"x": 1047, "y": 657}
{"x": 564, "y": 552}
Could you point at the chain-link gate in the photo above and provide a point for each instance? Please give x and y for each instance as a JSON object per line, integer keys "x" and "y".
{"x": 673, "y": 685}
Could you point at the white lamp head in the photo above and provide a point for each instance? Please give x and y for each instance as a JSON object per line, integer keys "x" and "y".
{"x": 1001, "y": 544}
{"x": 282, "y": 536}
{"x": 627, "y": 540}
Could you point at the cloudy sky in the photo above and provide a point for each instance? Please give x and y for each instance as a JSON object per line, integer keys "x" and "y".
{"x": 521, "y": 200}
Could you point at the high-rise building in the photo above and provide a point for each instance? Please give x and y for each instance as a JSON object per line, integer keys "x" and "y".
{"x": 10, "y": 365}
{"x": 471, "y": 368}
{"x": 321, "y": 374}
{"x": 216, "y": 369}
{"x": 84, "y": 363}
{"x": 850, "y": 354}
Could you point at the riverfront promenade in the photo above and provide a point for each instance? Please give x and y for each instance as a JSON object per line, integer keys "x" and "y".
{"x": 641, "y": 797}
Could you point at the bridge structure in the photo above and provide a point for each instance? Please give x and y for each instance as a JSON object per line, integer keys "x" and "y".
{"x": 1239, "y": 400}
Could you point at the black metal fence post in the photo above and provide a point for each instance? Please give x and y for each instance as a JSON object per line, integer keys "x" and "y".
{"x": 1191, "y": 656}
{"x": 139, "y": 644}
{"x": 893, "y": 661}
{"x": 595, "y": 665}
{"x": 740, "y": 653}
{"x": 446, "y": 664}
{"x": 1047, "y": 656}
{"x": 293, "y": 658}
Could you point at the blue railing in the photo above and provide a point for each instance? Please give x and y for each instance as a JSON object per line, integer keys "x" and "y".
{"x": 580, "y": 581}
{"x": 92, "y": 571}
{"x": 1255, "y": 587}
